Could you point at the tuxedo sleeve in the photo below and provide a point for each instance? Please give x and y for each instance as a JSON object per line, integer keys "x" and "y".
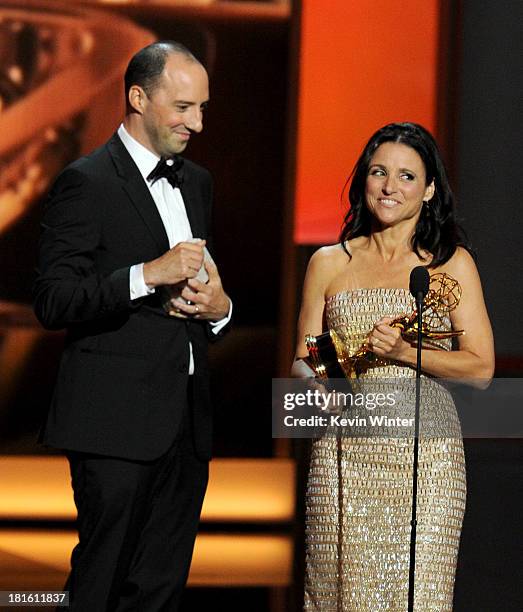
{"x": 70, "y": 288}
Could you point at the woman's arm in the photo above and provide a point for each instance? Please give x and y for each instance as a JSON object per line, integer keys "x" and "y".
{"x": 310, "y": 321}
{"x": 474, "y": 359}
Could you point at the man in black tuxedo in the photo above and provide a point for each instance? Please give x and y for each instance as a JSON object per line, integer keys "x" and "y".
{"x": 131, "y": 406}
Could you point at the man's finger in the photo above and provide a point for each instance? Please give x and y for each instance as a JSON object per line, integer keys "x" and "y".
{"x": 191, "y": 309}
{"x": 188, "y": 294}
{"x": 212, "y": 270}
{"x": 189, "y": 246}
{"x": 182, "y": 306}
{"x": 197, "y": 285}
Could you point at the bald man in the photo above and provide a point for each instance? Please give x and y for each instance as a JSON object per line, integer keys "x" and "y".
{"x": 131, "y": 407}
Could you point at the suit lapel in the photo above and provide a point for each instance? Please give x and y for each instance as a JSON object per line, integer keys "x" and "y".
{"x": 137, "y": 192}
{"x": 191, "y": 199}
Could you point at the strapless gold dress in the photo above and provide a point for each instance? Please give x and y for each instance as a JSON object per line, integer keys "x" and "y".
{"x": 358, "y": 500}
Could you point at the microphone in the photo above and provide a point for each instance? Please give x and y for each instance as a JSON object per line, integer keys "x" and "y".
{"x": 419, "y": 287}
{"x": 419, "y": 283}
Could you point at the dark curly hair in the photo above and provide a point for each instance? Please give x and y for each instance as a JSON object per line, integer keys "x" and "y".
{"x": 437, "y": 230}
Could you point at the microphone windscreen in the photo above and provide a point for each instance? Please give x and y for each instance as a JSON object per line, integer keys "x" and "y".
{"x": 419, "y": 282}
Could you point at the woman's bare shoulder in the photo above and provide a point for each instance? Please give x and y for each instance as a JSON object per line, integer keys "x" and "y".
{"x": 330, "y": 255}
{"x": 325, "y": 264}
{"x": 461, "y": 263}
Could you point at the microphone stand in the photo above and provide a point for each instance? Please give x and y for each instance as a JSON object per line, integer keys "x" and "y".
{"x": 413, "y": 522}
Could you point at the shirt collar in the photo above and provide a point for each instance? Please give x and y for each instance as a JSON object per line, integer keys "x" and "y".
{"x": 145, "y": 160}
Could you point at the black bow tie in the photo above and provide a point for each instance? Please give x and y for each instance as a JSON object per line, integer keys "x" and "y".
{"x": 171, "y": 169}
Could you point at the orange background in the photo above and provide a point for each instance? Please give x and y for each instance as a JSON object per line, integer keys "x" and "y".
{"x": 379, "y": 66}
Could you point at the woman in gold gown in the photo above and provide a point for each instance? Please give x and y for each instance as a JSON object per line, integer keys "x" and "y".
{"x": 359, "y": 492}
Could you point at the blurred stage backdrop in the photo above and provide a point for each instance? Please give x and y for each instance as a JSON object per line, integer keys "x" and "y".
{"x": 296, "y": 89}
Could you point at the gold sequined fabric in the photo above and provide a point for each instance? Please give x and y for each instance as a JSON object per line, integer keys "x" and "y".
{"x": 358, "y": 500}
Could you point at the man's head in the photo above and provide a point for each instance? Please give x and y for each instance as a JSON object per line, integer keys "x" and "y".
{"x": 166, "y": 90}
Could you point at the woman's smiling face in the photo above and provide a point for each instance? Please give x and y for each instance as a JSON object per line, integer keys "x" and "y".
{"x": 396, "y": 184}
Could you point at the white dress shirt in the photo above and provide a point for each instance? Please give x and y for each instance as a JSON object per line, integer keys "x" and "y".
{"x": 171, "y": 208}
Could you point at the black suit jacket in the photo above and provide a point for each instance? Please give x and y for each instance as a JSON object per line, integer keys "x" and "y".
{"x": 122, "y": 382}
